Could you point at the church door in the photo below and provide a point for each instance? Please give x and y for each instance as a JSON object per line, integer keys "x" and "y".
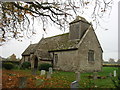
{"x": 36, "y": 63}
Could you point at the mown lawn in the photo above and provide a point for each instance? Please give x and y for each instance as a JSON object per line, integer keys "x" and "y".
{"x": 59, "y": 79}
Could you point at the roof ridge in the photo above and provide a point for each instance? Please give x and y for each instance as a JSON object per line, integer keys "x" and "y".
{"x": 34, "y": 44}
{"x": 56, "y": 35}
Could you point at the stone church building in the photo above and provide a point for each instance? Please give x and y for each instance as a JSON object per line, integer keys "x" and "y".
{"x": 77, "y": 50}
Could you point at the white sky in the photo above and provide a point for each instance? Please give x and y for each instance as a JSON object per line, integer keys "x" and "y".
{"x": 108, "y": 38}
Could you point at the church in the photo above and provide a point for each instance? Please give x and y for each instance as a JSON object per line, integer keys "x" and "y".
{"x": 77, "y": 50}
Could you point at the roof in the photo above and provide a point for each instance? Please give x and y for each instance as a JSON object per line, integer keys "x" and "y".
{"x": 55, "y": 43}
{"x": 30, "y": 49}
{"x": 59, "y": 42}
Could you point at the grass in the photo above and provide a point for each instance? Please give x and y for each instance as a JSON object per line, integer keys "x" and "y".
{"x": 85, "y": 82}
{"x": 62, "y": 79}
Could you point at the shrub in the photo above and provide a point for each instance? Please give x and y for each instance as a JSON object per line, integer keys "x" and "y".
{"x": 25, "y": 65}
{"x": 16, "y": 67}
{"x": 8, "y": 65}
{"x": 44, "y": 66}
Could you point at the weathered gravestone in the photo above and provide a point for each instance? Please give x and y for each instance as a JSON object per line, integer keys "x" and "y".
{"x": 50, "y": 70}
{"x": 94, "y": 75}
{"x": 48, "y": 75}
{"x": 74, "y": 85}
{"x": 77, "y": 76}
{"x": 22, "y": 82}
{"x": 43, "y": 72}
{"x": 114, "y": 73}
{"x": 34, "y": 71}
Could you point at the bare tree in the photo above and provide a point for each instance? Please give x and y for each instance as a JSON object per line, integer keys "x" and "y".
{"x": 17, "y": 17}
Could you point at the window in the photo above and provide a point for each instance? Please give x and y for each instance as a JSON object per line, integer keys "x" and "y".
{"x": 56, "y": 58}
{"x": 91, "y": 55}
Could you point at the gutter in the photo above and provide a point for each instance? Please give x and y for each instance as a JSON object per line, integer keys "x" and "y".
{"x": 63, "y": 50}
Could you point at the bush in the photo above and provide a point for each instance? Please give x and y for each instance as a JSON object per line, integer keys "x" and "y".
{"x": 8, "y": 66}
{"x": 26, "y": 65}
{"x": 16, "y": 67}
{"x": 44, "y": 66}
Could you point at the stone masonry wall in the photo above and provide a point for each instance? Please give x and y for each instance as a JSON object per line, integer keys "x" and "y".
{"x": 77, "y": 60}
{"x": 90, "y": 43}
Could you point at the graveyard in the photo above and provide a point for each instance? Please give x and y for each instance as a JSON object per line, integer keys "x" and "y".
{"x": 58, "y": 79}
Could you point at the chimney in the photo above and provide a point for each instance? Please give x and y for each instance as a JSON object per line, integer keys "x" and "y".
{"x": 78, "y": 28}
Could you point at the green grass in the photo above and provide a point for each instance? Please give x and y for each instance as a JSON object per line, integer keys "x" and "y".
{"x": 85, "y": 82}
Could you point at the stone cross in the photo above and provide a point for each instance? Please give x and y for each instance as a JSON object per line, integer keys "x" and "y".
{"x": 22, "y": 82}
{"x": 74, "y": 85}
{"x": 77, "y": 76}
{"x": 115, "y": 73}
{"x": 50, "y": 70}
{"x": 48, "y": 75}
{"x": 95, "y": 75}
{"x": 43, "y": 72}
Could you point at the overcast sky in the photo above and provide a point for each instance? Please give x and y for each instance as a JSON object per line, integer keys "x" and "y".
{"x": 108, "y": 38}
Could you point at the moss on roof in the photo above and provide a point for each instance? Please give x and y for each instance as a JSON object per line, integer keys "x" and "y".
{"x": 58, "y": 42}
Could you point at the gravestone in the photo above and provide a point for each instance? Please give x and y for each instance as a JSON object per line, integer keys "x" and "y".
{"x": 34, "y": 71}
{"x": 74, "y": 85}
{"x": 22, "y": 82}
{"x": 114, "y": 73}
{"x": 50, "y": 70}
{"x": 48, "y": 75}
{"x": 94, "y": 75}
{"x": 110, "y": 74}
{"x": 43, "y": 72}
{"x": 77, "y": 76}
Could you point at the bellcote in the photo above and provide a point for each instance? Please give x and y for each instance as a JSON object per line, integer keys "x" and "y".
{"x": 78, "y": 28}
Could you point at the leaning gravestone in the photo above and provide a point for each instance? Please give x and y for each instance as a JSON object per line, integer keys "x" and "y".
{"x": 43, "y": 72}
{"x": 48, "y": 75}
{"x": 22, "y": 82}
{"x": 74, "y": 85}
{"x": 95, "y": 75}
{"x": 115, "y": 73}
{"x": 50, "y": 70}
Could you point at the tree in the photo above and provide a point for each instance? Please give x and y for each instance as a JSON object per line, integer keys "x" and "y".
{"x": 12, "y": 57}
{"x": 17, "y": 17}
{"x": 18, "y": 59}
{"x": 111, "y": 60}
{"x": 118, "y": 61}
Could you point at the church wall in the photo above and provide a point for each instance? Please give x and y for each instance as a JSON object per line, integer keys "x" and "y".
{"x": 90, "y": 43}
